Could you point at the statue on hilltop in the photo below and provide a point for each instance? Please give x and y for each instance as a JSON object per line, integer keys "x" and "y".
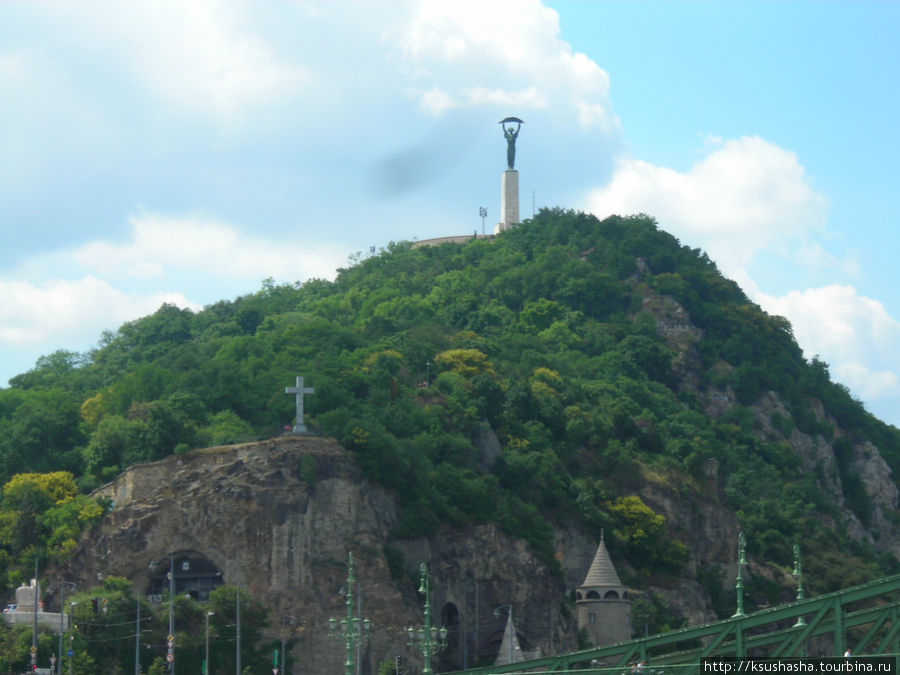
{"x": 511, "y": 135}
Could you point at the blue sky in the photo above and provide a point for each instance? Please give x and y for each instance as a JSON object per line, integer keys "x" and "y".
{"x": 184, "y": 151}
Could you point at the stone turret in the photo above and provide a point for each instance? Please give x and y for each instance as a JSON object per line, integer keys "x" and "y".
{"x": 510, "y": 651}
{"x": 27, "y": 595}
{"x": 603, "y": 608}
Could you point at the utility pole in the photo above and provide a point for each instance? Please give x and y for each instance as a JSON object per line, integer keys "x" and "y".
{"x": 137, "y": 639}
{"x": 34, "y": 626}
{"x": 287, "y": 618}
{"x": 71, "y": 652}
{"x": 171, "y": 640}
{"x": 206, "y": 657}
{"x": 237, "y": 670}
{"x": 62, "y": 611}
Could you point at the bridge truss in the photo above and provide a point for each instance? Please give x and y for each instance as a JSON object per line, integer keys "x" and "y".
{"x": 864, "y": 619}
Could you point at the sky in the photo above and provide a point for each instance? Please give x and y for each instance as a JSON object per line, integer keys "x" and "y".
{"x": 183, "y": 152}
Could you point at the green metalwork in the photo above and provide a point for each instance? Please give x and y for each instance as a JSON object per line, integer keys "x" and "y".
{"x": 427, "y": 638}
{"x": 354, "y": 630}
{"x": 870, "y": 611}
{"x": 739, "y": 582}
{"x": 798, "y": 572}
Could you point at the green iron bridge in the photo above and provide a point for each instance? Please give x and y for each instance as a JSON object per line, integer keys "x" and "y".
{"x": 864, "y": 619}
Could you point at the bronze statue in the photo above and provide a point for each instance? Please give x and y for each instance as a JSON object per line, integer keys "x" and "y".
{"x": 511, "y": 135}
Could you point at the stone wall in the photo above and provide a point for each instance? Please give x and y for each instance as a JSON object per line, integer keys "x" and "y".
{"x": 249, "y": 511}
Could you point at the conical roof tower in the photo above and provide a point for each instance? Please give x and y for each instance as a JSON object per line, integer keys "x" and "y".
{"x": 602, "y": 573}
{"x": 510, "y": 650}
{"x": 604, "y": 610}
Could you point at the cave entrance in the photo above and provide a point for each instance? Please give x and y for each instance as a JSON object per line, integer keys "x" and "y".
{"x": 451, "y": 657}
{"x": 195, "y": 575}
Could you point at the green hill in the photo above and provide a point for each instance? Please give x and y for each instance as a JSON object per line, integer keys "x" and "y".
{"x": 542, "y": 376}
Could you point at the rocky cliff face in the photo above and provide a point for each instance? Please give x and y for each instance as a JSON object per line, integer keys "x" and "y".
{"x": 279, "y": 518}
{"x": 817, "y": 455}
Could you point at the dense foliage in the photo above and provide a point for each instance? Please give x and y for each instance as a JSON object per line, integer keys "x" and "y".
{"x": 102, "y": 638}
{"x": 522, "y": 380}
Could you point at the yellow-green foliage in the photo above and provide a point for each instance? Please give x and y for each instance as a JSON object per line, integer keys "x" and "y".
{"x": 547, "y": 376}
{"x": 639, "y": 524}
{"x": 58, "y": 486}
{"x": 642, "y": 533}
{"x": 95, "y": 407}
{"x": 389, "y": 360}
{"x": 43, "y": 511}
{"x": 466, "y": 362}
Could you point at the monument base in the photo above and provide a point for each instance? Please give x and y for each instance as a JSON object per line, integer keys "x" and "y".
{"x": 509, "y": 200}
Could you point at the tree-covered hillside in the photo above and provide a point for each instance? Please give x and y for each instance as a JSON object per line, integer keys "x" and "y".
{"x": 526, "y": 379}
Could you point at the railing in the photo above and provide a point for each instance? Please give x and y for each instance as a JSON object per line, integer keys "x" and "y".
{"x": 775, "y": 632}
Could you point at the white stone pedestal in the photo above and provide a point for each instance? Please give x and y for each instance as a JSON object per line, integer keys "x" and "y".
{"x": 509, "y": 200}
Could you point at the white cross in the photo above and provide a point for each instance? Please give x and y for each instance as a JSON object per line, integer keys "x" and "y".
{"x": 299, "y": 390}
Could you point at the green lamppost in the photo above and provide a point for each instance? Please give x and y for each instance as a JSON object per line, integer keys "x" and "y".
{"x": 798, "y": 572}
{"x": 353, "y": 629}
{"x": 427, "y": 638}
{"x": 739, "y": 582}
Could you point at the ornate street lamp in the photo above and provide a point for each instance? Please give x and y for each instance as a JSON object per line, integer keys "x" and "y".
{"x": 739, "y": 582}
{"x": 427, "y": 638}
{"x": 353, "y": 629}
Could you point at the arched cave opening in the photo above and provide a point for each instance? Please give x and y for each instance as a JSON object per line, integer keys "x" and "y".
{"x": 451, "y": 657}
{"x": 195, "y": 575}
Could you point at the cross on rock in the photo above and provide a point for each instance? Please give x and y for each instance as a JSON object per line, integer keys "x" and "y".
{"x": 299, "y": 390}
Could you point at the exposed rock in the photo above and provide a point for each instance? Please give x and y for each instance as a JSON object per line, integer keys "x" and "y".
{"x": 249, "y": 511}
{"x": 816, "y": 453}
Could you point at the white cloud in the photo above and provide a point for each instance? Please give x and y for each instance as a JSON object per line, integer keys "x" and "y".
{"x": 837, "y": 320}
{"x": 748, "y": 198}
{"x": 815, "y": 258}
{"x": 436, "y": 101}
{"x": 200, "y": 56}
{"x": 68, "y": 298}
{"x": 161, "y": 245}
{"x": 469, "y": 53}
{"x": 744, "y": 197}
{"x": 61, "y": 310}
{"x": 855, "y": 335}
{"x": 870, "y": 384}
